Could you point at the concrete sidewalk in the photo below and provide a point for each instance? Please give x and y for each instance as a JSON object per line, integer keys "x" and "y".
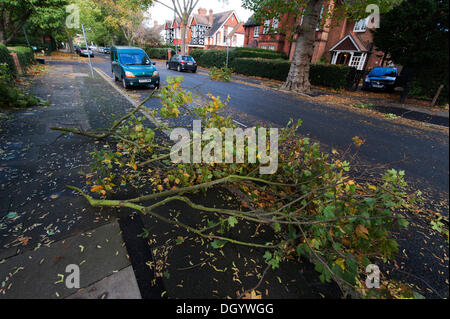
{"x": 43, "y": 226}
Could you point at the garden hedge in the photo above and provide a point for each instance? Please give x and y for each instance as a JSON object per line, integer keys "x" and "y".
{"x": 5, "y": 57}
{"x": 258, "y": 53}
{"x": 334, "y": 76}
{"x": 157, "y": 53}
{"x": 24, "y": 54}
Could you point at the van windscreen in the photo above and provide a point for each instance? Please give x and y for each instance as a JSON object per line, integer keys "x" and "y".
{"x": 134, "y": 58}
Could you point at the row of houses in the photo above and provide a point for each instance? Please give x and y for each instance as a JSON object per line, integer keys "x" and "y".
{"x": 338, "y": 41}
{"x": 207, "y": 30}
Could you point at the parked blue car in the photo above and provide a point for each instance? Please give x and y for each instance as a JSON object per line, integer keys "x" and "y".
{"x": 133, "y": 67}
{"x": 381, "y": 78}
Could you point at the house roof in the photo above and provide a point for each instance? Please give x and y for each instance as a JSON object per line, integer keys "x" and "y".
{"x": 251, "y": 22}
{"x": 200, "y": 18}
{"x": 349, "y": 43}
{"x": 237, "y": 29}
{"x": 218, "y": 20}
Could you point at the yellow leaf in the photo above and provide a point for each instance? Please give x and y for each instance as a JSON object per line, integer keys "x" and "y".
{"x": 362, "y": 231}
{"x": 96, "y": 188}
{"x": 160, "y": 187}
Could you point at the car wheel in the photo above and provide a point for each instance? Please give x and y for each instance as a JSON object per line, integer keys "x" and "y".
{"x": 179, "y": 68}
{"x": 194, "y": 70}
{"x": 124, "y": 83}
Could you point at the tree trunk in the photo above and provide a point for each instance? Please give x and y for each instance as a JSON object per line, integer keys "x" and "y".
{"x": 69, "y": 40}
{"x": 298, "y": 77}
{"x": 183, "y": 34}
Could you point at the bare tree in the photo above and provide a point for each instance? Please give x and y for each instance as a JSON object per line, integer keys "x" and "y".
{"x": 183, "y": 10}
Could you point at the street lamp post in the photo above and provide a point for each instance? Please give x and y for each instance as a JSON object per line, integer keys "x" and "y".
{"x": 87, "y": 47}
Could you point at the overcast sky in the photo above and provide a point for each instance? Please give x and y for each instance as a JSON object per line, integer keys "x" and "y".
{"x": 160, "y": 13}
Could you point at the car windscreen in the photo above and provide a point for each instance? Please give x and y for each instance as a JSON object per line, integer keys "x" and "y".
{"x": 134, "y": 58}
{"x": 383, "y": 72}
{"x": 187, "y": 58}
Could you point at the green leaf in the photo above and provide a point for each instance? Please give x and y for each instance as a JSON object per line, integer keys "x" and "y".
{"x": 232, "y": 221}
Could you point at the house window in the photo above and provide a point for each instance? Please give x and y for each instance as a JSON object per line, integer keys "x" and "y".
{"x": 360, "y": 26}
{"x": 275, "y": 23}
{"x": 272, "y": 47}
{"x": 264, "y": 47}
{"x": 357, "y": 60}
{"x": 320, "y": 19}
{"x": 218, "y": 38}
{"x": 256, "y": 32}
{"x": 266, "y": 26}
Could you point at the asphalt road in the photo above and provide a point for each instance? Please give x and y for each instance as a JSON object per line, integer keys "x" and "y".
{"x": 426, "y": 151}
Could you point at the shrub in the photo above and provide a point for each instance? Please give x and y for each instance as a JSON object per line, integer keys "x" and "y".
{"x": 210, "y": 58}
{"x": 157, "y": 53}
{"x": 24, "y": 54}
{"x": 268, "y": 68}
{"x": 220, "y": 74}
{"x": 426, "y": 84}
{"x": 330, "y": 75}
{"x": 10, "y": 96}
{"x": 5, "y": 57}
{"x": 258, "y": 53}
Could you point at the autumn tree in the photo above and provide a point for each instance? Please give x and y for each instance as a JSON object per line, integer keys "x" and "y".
{"x": 183, "y": 11}
{"x": 46, "y": 14}
{"x": 397, "y": 38}
{"x": 303, "y": 17}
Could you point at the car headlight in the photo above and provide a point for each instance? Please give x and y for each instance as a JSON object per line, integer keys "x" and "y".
{"x": 155, "y": 73}
{"x": 367, "y": 80}
{"x": 128, "y": 74}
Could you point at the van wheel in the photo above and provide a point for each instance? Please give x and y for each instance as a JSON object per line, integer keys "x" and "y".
{"x": 179, "y": 68}
{"x": 124, "y": 84}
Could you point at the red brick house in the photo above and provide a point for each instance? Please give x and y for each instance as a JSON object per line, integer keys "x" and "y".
{"x": 338, "y": 41}
{"x": 207, "y": 30}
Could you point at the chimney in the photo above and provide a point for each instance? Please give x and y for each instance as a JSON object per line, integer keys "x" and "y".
{"x": 202, "y": 11}
{"x": 210, "y": 19}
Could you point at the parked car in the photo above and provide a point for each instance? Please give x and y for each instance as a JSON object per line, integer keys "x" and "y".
{"x": 85, "y": 52}
{"x": 381, "y": 78}
{"x": 133, "y": 67}
{"x": 106, "y": 50}
{"x": 182, "y": 62}
{"x": 77, "y": 48}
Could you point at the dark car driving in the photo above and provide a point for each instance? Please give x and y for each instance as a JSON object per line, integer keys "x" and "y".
{"x": 381, "y": 78}
{"x": 182, "y": 62}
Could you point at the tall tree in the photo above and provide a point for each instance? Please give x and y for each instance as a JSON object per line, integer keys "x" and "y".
{"x": 303, "y": 17}
{"x": 15, "y": 13}
{"x": 183, "y": 10}
{"x": 415, "y": 34}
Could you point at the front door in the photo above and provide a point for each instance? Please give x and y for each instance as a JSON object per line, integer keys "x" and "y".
{"x": 343, "y": 58}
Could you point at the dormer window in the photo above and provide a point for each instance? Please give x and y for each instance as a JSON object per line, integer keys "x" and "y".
{"x": 360, "y": 26}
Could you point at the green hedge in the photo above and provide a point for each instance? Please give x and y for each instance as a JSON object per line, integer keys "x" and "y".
{"x": 267, "y": 68}
{"x": 24, "y": 54}
{"x": 258, "y": 53}
{"x": 5, "y": 57}
{"x": 331, "y": 75}
{"x": 217, "y": 58}
{"x": 156, "y": 53}
{"x": 210, "y": 58}
{"x": 334, "y": 76}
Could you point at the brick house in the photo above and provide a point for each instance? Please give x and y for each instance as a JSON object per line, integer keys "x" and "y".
{"x": 207, "y": 30}
{"x": 338, "y": 41}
